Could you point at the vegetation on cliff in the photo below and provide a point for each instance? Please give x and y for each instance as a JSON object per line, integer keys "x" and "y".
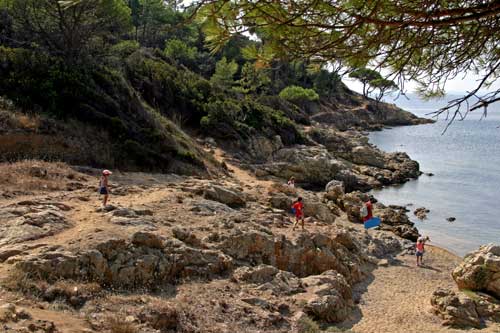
{"x": 136, "y": 77}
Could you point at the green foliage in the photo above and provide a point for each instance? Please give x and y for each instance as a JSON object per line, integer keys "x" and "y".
{"x": 124, "y": 48}
{"x": 365, "y": 76}
{"x": 224, "y": 74}
{"x": 409, "y": 36}
{"x": 299, "y": 95}
{"x": 307, "y": 325}
{"x": 180, "y": 51}
{"x": 73, "y": 33}
{"x": 383, "y": 86}
{"x": 253, "y": 79}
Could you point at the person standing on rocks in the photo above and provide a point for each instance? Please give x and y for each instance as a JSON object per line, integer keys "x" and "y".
{"x": 298, "y": 209}
{"x": 104, "y": 186}
{"x": 291, "y": 182}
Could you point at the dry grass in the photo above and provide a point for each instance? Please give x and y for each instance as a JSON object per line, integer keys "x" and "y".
{"x": 282, "y": 188}
{"x": 34, "y": 175}
{"x": 22, "y": 282}
{"x": 12, "y": 118}
{"x": 117, "y": 324}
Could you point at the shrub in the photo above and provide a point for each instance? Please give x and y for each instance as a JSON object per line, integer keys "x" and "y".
{"x": 307, "y": 325}
{"x": 298, "y": 95}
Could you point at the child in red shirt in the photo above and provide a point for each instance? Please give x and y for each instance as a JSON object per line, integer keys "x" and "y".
{"x": 298, "y": 207}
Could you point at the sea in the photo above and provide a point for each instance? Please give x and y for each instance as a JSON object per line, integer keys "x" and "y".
{"x": 465, "y": 163}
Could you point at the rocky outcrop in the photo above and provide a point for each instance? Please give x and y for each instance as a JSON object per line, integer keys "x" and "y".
{"x": 331, "y": 297}
{"x": 308, "y": 255}
{"x": 480, "y": 270}
{"x": 231, "y": 197}
{"x": 308, "y": 164}
{"x": 144, "y": 261}
{"x": 31, "y": 221}
{"x": 313, "y": 206}
{"x": 455, "y": 309}
{"x": 364, "y": 113}
{"x": 478, "y": 275}
{"x": 269, "y": 278}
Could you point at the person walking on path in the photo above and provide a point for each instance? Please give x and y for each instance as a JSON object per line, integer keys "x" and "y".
{"x": 298, "y": 209}
{"x": 104, "y": 186}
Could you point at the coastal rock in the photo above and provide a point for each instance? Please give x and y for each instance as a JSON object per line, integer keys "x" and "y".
{"x": 480, "y": 270}
{"x": 456, "y": 310}
{"x": 331, "y": 299}
{"x": 451, "y": 219}
{"x": 368, "y": 156}
{"x": 334, "y": 191}
{"x": 313, "y": 206}
{"x": 397, "y": 221}
{"x": 421, "y": 213}
{"x": 231, "y": 197}
{"x": 143, "y": 262}
{"x": 308, "y": 164}
{"x": 309, "y": 254}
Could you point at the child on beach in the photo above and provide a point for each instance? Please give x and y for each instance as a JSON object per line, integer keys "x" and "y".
{"x": 298, "y": 208}
{"x": 104, "y": 187}
{"x": 420, "y": 249}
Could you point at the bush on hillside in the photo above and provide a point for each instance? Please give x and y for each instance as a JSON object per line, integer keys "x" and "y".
{"x": 299, "y": 95}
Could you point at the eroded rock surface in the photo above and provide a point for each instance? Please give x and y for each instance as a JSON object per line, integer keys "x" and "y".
{"x": 480, "y": 270}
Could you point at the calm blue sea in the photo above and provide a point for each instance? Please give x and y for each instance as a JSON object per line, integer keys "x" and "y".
{"x": 465, "y": 162}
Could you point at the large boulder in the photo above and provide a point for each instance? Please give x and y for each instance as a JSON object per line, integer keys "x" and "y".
{"x": 368, "y": 155}
{"x": 480, "y": 270}
{"x": 231, "y": 197}
{"x": 455, "y": 309}
{"x": 312, "y": 165}
{"x": 334, "y": 191}
{"x": 331, "y": 299}
{"x": 269, "y": 278}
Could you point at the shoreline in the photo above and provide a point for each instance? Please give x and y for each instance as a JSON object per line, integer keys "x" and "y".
{"x": 440, "y": 247}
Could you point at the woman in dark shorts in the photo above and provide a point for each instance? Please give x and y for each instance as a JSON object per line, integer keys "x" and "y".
{"x": 104, "y": 187}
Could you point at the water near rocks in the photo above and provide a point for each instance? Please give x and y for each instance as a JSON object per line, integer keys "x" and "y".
{"x": 465, "y": 162}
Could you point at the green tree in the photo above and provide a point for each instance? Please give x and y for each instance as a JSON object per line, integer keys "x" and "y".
{"x": 365, "y": 76}
{"x": 429, "y": 42}
{"x": 224, "y": 74}
{"x": 180, "y": 51}
{"x": 383, "y": 86}
{"x": 253, "y": 79}
{"x": 73, "y": 32}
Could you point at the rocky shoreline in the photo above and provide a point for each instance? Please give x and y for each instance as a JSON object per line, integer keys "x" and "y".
{"x": 186, "y": 254}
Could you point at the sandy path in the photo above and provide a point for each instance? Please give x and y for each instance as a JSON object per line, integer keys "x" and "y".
{"x": 396, "y": 298}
